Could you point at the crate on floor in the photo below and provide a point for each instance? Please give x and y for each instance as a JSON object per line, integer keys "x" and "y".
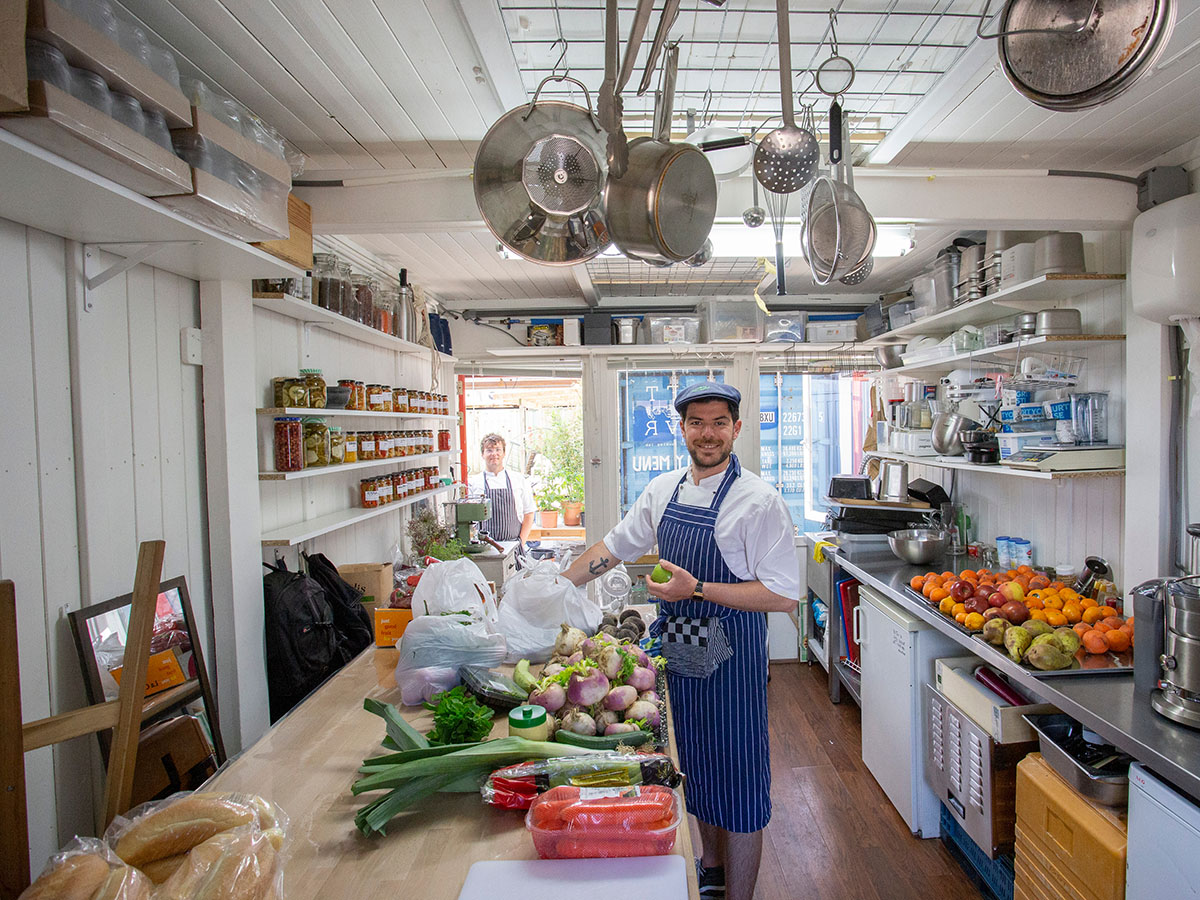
{"x": 996, "y": 876}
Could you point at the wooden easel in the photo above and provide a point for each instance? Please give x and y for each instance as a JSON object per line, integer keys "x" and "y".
{"x": 123, "y": 716}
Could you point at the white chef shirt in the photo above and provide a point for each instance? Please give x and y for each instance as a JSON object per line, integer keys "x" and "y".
{"x": 522, "y": 492}
{"x": 754, "y": 529}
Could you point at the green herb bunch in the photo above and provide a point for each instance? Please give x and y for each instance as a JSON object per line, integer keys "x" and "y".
{"x": 458, "y": 718}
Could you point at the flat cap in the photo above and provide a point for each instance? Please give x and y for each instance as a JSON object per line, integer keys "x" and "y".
{"x": 706, "y": 390}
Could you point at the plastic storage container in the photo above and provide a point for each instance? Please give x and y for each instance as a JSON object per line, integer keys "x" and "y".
{"x": 786, "y": 326}
{"x": 569, "y": 822}
{"x": 672, "y": 329}
{"x": 830, "y": 332}
{"x": 732, "y": 320}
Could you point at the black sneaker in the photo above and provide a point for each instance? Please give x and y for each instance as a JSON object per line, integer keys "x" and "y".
{"x": 712, "y": 882}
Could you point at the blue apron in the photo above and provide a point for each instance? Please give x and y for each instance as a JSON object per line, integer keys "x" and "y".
{"x": 720, "y": 721}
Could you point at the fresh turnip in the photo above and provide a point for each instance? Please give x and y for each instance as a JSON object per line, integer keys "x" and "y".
{"x": 568, "y": 640}
{"x": 552, "y": 697}
{"x": 649, "y": 697}
{"x": 647, "y": 712}
{"x": 551, "y": 725}
{"x": 587, "y": 686}
{"x": 579, "y": 722}
{"x": 611, "y": 661}
{"x": 605, "y": 718}
{"x": 643, "y": 658}
{"x": 589, "y": 648}
{"x": 551, "y": 668}
{"x": 641, "y": 678}
{"x": 575, "y": 657}
{"x": 621, "y": 728}
{"x": 621, "y": 697}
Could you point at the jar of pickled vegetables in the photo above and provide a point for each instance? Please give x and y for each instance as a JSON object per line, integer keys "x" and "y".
{"x": 368, "y": 494}
{"x": 295, "y": 393}
{"x": 444, "y": 439}
{"x": 316, "y": 442}
{"x": 348, "y": 384}
{"x": 315, "y": 382}
{"x": 289, "y": 444}
{"x": 366, "y": 446}
{"x": 351, "y": 446}
{"x": 279, "y": 397}
{"x": 337, "y": 445}
{"x": 385, "y": 488}
{"x": 399, "y": 400}
{"x": 398, "y": 487}
{"x": 379, "y": 398}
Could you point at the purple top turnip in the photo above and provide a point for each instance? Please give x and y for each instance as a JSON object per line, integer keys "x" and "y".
{"x": 579, "y": 722}
{"x": 551, "y": 698}
{"x": 620, "y": 728}
{"x": 648, "y": 696}
{"x": 648, "y": 712}
{"x": 587, "y": 688}
{"x": 568, "y": 640}
{"x": 621, "y": 697}
{"x": 642, "y": 679}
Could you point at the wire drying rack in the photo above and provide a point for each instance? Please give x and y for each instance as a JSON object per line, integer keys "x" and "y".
{"x": 1042, "y": 371}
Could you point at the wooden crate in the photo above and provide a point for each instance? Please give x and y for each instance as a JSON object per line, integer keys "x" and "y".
{"x": 297, "y": 247}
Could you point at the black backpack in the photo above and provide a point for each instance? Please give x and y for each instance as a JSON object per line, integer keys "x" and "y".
{"x": 351, "y": 620}
{"x": 301, "y": 641}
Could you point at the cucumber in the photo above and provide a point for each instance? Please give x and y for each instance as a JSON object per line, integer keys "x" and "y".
{"x": 523, "y": 677}
{"x": 603, "y": 741}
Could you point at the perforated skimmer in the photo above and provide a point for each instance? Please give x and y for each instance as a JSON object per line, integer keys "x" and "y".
{"x": 561, "y": 174}
{"x": 786, "y": 159}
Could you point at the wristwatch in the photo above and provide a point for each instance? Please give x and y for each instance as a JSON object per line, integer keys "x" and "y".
{"x": 698, "y": 592}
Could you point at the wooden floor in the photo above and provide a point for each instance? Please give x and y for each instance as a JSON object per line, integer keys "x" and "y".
{"x": 833, "y": 833}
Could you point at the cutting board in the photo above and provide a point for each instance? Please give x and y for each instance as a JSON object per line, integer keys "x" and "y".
{"x": 660, "y": 877}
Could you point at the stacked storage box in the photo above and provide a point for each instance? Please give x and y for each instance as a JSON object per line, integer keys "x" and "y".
{"x": 1067, "y": 847}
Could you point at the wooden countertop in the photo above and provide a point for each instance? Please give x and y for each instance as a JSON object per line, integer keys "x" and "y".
{"x": 306, "y": 764}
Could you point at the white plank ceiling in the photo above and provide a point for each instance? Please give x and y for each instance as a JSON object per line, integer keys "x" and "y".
{"x": 377, "y": 88}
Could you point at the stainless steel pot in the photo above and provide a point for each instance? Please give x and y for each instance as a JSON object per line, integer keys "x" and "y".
{"x": 661, "y": 210}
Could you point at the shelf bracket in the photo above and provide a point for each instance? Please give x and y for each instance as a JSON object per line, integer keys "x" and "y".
{"x": 138, "y": 253}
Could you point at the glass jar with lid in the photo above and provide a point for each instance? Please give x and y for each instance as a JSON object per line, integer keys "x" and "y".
{"x": 315, "y": 382}
{"x": 366, "y": 446}
{"x": 443, "y": 442}
{"x": 316, "y": 442}
{"x": 352, "y": 400}
{"x": 337, "y": 445}
{"x": 295, "y": 393}
{"x": 386, "y": 302}
{"x": 289, "y": 444}
{"x": 400, "y": 400}
{"x": 351, "y": 454}
{"x": 368, "y": 493}
{"x": 360, "y": 395}
{"x": 364, "y": 298}
{"x": 349, "y": 304}
{"x": 327, "y": 285}
{"x": 378, "y": 400}
{"x": 384, "y": 483}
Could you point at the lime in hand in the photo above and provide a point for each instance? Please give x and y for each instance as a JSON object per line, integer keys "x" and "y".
{"x": 660, "y": 575}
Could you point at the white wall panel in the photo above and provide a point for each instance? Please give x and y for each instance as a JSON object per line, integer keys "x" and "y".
{"x": 100, "y": 450}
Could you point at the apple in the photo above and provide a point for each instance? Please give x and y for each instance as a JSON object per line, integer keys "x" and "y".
{"x": 997, "y": 599}
{"x": 983, "y": 593}
{"x": 976, "y": 604}
{"x": 961, "y": 590}
{"x": 993, "y": 613}
{"x": 660, "y": 575}
{"x": 1012, "y": 591}
{"x": 1015, "y": 612}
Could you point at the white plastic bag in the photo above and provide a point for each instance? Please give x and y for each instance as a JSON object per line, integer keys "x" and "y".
{"x": 449, "y": 642}
{"x": 418, "y": 685}
{"x": 451, "y": 587}
{"x": 537, "y": 601}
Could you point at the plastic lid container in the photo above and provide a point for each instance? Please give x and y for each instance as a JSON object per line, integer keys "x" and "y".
{"x": 569, "y": 822}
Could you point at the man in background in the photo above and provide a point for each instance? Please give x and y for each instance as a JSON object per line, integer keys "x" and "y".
{"x": 510, "y": 493}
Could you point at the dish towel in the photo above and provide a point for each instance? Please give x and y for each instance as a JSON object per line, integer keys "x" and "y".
{"x": 819, "y": 550}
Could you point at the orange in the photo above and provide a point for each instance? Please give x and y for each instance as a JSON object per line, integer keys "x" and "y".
{"x": 1073, "y": 612}
{"x": 1038, "y": 614}
{"x": 1037, "y": 592}
{"x": 1053, "y": 601}
{"x": 947, "y": 575}
{"x": 1034, "y": 603}
{"x": 960, "y": 617}
{"x": 1102, "y": 628}
{"x": 932, "y": 576}
{"x": 1094, "y": 642}
{"x": 1113, "y": 621}
{"x": 929, "y": 588}
{"x": 916, "y": 582}
{"x": 1068, "y": 594}
{"x": 973, "y": 621}
{"x": 937, "y": 595}
{"x": 968, "y": 574}
{"x": 1057, "y": 585}
{"x": 1107, "y": 610}
{"x": 1012, "y": 573}
{"x": 946, "y": 606}
{"x": 1082, "y": 628}
{"x": 1055, "y": 618}
{"x": 958, "y": 608}
{"x": 1088, "y": 603}
{"x": 1092, "y": 614}
{"x": 1039, "y": 581}
{"x": 1025, "y": 570}
{"x": 1118, "y": 641}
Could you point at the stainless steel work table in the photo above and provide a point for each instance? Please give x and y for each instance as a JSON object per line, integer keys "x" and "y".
{"x": 1104, "y": 703}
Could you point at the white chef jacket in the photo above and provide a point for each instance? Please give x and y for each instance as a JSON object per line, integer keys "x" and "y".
{"x": 522, "y": 492}
{"x": 754, "y": 529}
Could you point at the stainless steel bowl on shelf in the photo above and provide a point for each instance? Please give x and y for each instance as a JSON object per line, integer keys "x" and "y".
{"x": 947, "y": 426}
{"x": 919, "y": 546}
{"x": 888, "y": 355}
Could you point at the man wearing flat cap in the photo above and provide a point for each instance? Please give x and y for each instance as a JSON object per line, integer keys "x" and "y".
{"x": 725, "y": 537}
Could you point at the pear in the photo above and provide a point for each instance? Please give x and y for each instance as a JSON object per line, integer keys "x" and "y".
{"x": 1047, "y": 657}
{"x": 993, "y": 630}
{"x": 1069, "y": 640}
{"x": 1036, "y": 627}
{"x": 1016, "y": 641}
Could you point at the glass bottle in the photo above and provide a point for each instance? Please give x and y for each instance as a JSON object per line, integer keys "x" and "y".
{"x": 316, "y": 442}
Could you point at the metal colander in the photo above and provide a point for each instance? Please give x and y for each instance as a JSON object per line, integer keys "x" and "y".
{"x": 560, "y": 174}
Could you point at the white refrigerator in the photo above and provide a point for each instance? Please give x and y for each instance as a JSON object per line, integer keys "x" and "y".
{"x": 897, "y": 651}
{"x": 1164, "y": 836}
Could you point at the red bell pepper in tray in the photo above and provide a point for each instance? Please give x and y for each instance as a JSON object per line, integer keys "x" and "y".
{"x": 569, "y": 822}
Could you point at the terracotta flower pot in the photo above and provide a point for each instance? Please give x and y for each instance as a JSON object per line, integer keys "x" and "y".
{"x": 572, "y": 513}
{"x": 548, "y": 518}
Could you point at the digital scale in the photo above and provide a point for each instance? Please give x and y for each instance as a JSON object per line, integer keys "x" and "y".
{"x": 1062, "y": 457}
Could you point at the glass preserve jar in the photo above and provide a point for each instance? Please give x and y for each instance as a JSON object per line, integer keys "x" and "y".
{"x": 295, "y": 393}
{"x": 289, "y": 444}
{"x": 399, "y": 400}
{"x": 384, "y": 485}
{"x": 316, "y": 442}
{"x": 379, "y": 398}
{"x": 315, "y": 382}
{"x": 327, "y": 284}
{"x": 364, "y": 298}
{"x": 366, "y": 446}
{"x": 337, "y": 445}
{"x": 444, "y": 439}
{"x": 348, "y": 384}
{"x": 349, "y": 304}
{"x": 368, "y": 493}
{"x": 360, "y": 395}
{"x": 351, "y": 453}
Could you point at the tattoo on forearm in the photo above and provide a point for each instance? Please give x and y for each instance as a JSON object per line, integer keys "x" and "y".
{"x": 597, "y": 566}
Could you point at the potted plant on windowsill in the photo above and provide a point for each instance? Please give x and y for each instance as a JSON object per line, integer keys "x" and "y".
{"x": 560, "y": 442}
{"x": 547, "y": 502}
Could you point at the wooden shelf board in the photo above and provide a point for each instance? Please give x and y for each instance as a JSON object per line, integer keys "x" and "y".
{"x": 351, "y": 413}
{"x": 291, "y": 535}
{"x": 1035, "y": 293}
{"x": 351, "y": 467}
{"x": 45, "y": 191}
{"x": 944, "y": 463}
{"x": 303, "y": 311}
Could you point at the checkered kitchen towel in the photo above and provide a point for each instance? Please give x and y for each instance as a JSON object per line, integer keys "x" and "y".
{"x": 694, "y": 647}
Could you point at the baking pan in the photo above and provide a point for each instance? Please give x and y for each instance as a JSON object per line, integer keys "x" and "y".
{"x": 1057, "y": 734}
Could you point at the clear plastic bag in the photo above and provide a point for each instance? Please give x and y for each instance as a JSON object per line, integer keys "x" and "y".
{"x": 537, "y": 601}
{"x": 87, "y": 867}
{"x": 454, "y": 586}
{"x": 448, "y": 641}
{"x": 516, "y": 787}
{"x": 243, "y": 862}
{"x": 419, "y": 685}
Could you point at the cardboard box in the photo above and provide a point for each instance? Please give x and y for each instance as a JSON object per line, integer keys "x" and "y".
{"x": 163, "y": 670}
{"x": 223, "y": 207}
{"x": 955, "y": 680}
{"x": 209, "y": 128}
{"x": 374, "y": 580}
{"x": 390, "y": 625}
{"x": 297, "y": 247}
{"x": 87, "y": 48}
{"x": 65, "y": 125}
{"x": 12, "y": 57}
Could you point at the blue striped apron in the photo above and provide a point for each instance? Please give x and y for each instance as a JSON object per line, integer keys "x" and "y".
{"x": 720, "y": 721}
{"x": 505, "y": 524}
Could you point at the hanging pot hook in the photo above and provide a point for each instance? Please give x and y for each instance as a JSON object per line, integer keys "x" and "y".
{"x": 561, "y": 57}
{"x": 808, "y": 85}
{"x": 833, "y": 41}
{"x": 704, "y": 118}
